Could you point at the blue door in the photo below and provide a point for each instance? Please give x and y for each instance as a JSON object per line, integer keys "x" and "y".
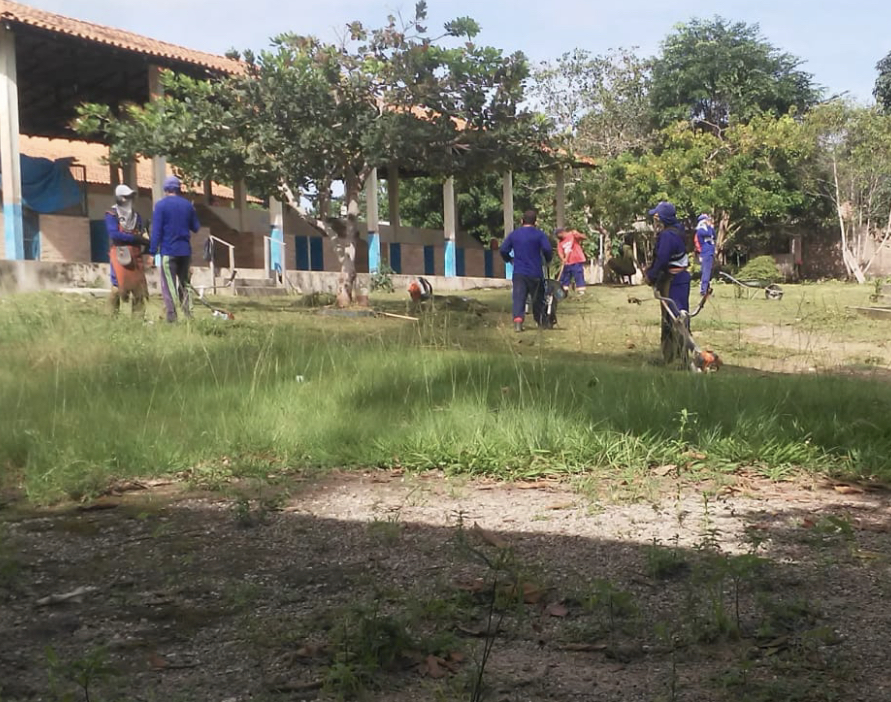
{"x": 489, "y": 263}
{"x": 316, "y": 254}
{"x": 459, "y": 262}
{"x": 98, "y": 241}
{"x": 31, "y": 234}
{"x": 429, "y": 260}
{"x": 396, "y": 257}
{"x": 301, "y": 253}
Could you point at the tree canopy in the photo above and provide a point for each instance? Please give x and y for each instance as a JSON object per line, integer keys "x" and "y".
{"x": 882, "y": 90}
{"x": 599, "y": 104}
{"x": 305, "y": 113}
{"x": 714, "y": 72}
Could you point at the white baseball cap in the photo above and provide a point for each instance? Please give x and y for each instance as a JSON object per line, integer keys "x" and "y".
{"x": 124, "y": 191}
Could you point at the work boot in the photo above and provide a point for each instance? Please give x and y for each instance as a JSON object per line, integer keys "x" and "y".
{"x": 518, "y": 324}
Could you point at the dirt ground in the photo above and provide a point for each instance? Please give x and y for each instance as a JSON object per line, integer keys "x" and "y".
{"x": 386, "y": 586}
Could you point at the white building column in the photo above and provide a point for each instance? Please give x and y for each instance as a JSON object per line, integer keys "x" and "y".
{"x": 277, "y": 234}
{"x": 372, "y": 220}
{"x": 159, "y": 163}
{"x": 560, "y": 198}
{"x": 450, "y": 227}
{"x": 507, "y": 192}
{"x": 10, "y": 156}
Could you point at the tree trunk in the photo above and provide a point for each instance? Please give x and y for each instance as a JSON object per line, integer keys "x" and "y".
{"x": 722, "y": 234}
{"x": 346, "y": 242}
{"x": 851, "y": 264}
{"x": 344, "y": 234}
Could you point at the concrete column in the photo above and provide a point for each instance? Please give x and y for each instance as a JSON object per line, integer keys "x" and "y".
{"x": 372, "y": 219}
{"x": 240, "y": 194}
{"x": 449, "y": 226}
{"x": 159, "y": 163}
{"x": 10, "y": 156}
{"x": 507, "y": 190}
{"x": 560, "y": 199}
{"x": 277, "y": 233}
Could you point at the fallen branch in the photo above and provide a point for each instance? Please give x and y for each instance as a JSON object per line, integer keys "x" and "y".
{"x": 76, "y": 594}
{"x": 396, "y": 316}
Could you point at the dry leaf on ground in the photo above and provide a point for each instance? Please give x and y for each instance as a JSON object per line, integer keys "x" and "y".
{"x": 489, "y": 537}
{"x": 557, "y": 610}
{"x": 848, "y": 489}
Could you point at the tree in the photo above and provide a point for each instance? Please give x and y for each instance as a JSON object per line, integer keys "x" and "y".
{"x": 599, "y": 104}
{"x": 851, "y": 169}
{"x": 882, "y": 90}
{"x": 305, "y": 114}
{"x": 715, "y": 72}
{"x": 746, "y": 175}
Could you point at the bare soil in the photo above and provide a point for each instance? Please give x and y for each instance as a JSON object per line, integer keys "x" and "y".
{"x": 285, "y": 592}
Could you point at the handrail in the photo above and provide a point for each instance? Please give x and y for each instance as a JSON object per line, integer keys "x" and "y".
{"x": 213, "y": 267}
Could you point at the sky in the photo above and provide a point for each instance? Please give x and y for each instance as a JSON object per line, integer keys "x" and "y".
{"x": 839, "y": 42}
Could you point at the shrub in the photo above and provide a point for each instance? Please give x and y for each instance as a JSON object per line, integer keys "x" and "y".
{"x": 761, "y": 268}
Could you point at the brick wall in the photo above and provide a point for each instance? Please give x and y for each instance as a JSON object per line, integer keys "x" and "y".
{"x": 821, "y": 257}
{"x": 474, "y": 263}
{"x": 64, "y": 239}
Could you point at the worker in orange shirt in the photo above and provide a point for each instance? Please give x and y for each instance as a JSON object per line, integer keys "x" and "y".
{"x": 572, "y": 257}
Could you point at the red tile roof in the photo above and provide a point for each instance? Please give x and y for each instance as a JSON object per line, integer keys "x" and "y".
{"x": 15, "y": 13}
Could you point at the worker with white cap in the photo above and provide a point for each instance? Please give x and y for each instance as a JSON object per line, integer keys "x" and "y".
{"x": 127, "y": 241}
{"x": 173, "y": 222}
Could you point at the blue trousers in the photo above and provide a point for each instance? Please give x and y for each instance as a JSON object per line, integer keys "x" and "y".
{"x": 573, "y": 271}
{"x": 528, "y": 286}
{"x": 707, "y": 260}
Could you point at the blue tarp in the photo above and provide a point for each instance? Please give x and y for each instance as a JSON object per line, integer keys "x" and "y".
{"x": 48, "y": 186}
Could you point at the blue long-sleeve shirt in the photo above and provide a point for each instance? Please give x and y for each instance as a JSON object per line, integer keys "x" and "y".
{"x": 114, "y": 230}
{"x": 524, "y": 247}
{"x": 705, "y": 235}
{"x": 671, "y": 252}
{"x": 173, "y": 221}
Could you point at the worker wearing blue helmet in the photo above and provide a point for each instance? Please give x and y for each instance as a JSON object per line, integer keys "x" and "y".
{"x": 670, "y": 274}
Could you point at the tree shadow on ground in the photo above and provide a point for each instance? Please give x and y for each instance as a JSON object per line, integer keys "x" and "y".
{"x": 384, "y": 586}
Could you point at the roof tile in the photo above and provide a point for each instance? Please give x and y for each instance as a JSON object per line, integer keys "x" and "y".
{"x": 22, "y": 14}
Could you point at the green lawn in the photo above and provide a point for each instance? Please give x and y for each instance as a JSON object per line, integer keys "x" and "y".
{"x": 86, "y": 399}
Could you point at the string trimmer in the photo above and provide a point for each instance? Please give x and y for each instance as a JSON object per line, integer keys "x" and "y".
{"x": 217, "y": 311}
{"x": 704, "y": 360}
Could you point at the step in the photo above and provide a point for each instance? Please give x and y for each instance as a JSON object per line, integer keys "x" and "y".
{"x": 254, "y": 283}
{"x": 260, "y": 291}
{"x": 875, "y": 312}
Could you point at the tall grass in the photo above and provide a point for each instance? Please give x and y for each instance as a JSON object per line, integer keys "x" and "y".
{"x": 85, "y": 399}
